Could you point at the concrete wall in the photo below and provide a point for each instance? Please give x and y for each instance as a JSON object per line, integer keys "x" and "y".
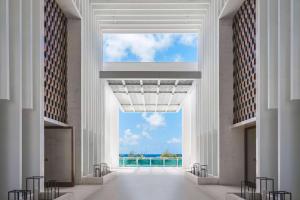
{"x": 74, "y": 90}
{"x": 231, "y": 139}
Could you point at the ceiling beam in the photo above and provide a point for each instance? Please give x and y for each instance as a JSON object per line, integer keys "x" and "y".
{"x": 151, "y": 104}
{"x": 142, "y": 92}
{"x": 130, "y": 100}
{"x": 171, "y": 97}
{"x": 150, "y": 22}
{"x": 151, "y": 30}
{"x": 150, "y": 26}
{"x": 157, "y": 94}
{"x": 148, "y": 92}
{"x": 94, "y": 2}
{"x": 150, "y": 17}
{"x": 152, "y": 6}
{"x": 190, "y": 75}
{"x": 168, "y": 85}
{"x": 147, "y": 12}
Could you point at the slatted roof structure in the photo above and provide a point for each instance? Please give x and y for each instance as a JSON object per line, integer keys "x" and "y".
{"x": 155, "y": 94}
{"x": 150, "y": 95}
{"x": 148, "y": 15}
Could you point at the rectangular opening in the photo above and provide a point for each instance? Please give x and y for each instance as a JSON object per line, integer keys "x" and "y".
{"x": 150, "y": 139}
{"x": 150, "y": 47}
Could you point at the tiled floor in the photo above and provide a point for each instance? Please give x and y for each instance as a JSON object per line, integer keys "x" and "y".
{"x": 157, "y": 184}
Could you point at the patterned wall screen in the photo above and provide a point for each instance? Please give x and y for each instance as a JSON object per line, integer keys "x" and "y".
{"x": 55, "y": 76}
{"x": 244, "y": 72}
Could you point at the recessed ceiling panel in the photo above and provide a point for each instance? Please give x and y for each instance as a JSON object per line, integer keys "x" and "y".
{"x": 150, "y": 98}
{"x": 177, "y": 98}
{"x": 123, "y": 98}
{"x": 150, "y": 95}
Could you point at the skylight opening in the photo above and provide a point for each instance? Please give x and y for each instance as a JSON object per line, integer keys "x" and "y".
{"x": 150, "y": 47}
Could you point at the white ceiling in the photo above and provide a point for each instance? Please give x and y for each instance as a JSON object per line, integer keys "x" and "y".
{"x": 156, "y": 16}
{"x": 150, "y": 95}
{"x": 145, "y": 15}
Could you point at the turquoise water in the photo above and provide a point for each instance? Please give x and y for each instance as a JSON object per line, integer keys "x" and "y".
{"x": 149, "y": 162}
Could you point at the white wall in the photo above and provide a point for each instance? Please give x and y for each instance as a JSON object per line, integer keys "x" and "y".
{"x": 92, "y": 93}
{"x": 190, "y": 134}
{"x": 111, "y": 141}
{"x": 208, "y": 91}
{"x": 278, "y": 120}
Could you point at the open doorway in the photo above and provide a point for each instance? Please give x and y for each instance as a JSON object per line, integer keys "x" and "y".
{"x": 150, "y": 139}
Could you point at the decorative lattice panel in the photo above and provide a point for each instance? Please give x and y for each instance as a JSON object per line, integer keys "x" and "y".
{"x": 244, "y": 72}
{"x": 55, "y": 62}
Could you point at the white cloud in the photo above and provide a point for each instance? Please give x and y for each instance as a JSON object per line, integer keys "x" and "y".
{"x": 174, "y": 141}
{"x": 146, "y": 134}
{"x": 138, "y": 126}
{"x": 129, "y": 138}
{"x": 188, "y": 39}
{"x": 178, "y": 58}
{"x": 144, "y": 46}
{"x": 155, "y": 119}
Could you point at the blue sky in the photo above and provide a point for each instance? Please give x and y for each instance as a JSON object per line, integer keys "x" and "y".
{"x": 158, "y": 47}
{"x": 150, "y": 133}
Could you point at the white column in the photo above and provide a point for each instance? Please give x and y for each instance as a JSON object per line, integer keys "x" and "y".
{"x": 33, "y": 119}
{"x": 186, "y": 133}
{"x": 295, "y": 49}
{"x": 111, "y": 141}
{"x": 288, "y": 111}
{"x": 4, "y": 49}
{"x": 266, "y": 119}
{"x": 272, "y": 52}
{"x": 27, "y": 78}
{"x": 11, "y": 111}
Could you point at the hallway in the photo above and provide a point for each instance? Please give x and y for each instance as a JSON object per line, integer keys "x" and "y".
{"x": 158, "y": 184}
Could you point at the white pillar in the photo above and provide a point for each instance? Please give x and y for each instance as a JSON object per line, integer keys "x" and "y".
{"x": 4, "y": 49}
{"x": 186, "y": 133}
{"x": 295, "y": 49}
{"x": 288, "y": 110}
{"x": 11, "y": 111}
{"x": 33, "y": 119}
{"x": 266, "y": 118}
{"x": 27, "y": 39}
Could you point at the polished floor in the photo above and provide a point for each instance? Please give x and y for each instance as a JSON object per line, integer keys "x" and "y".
{"x": 156, "y": 184}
